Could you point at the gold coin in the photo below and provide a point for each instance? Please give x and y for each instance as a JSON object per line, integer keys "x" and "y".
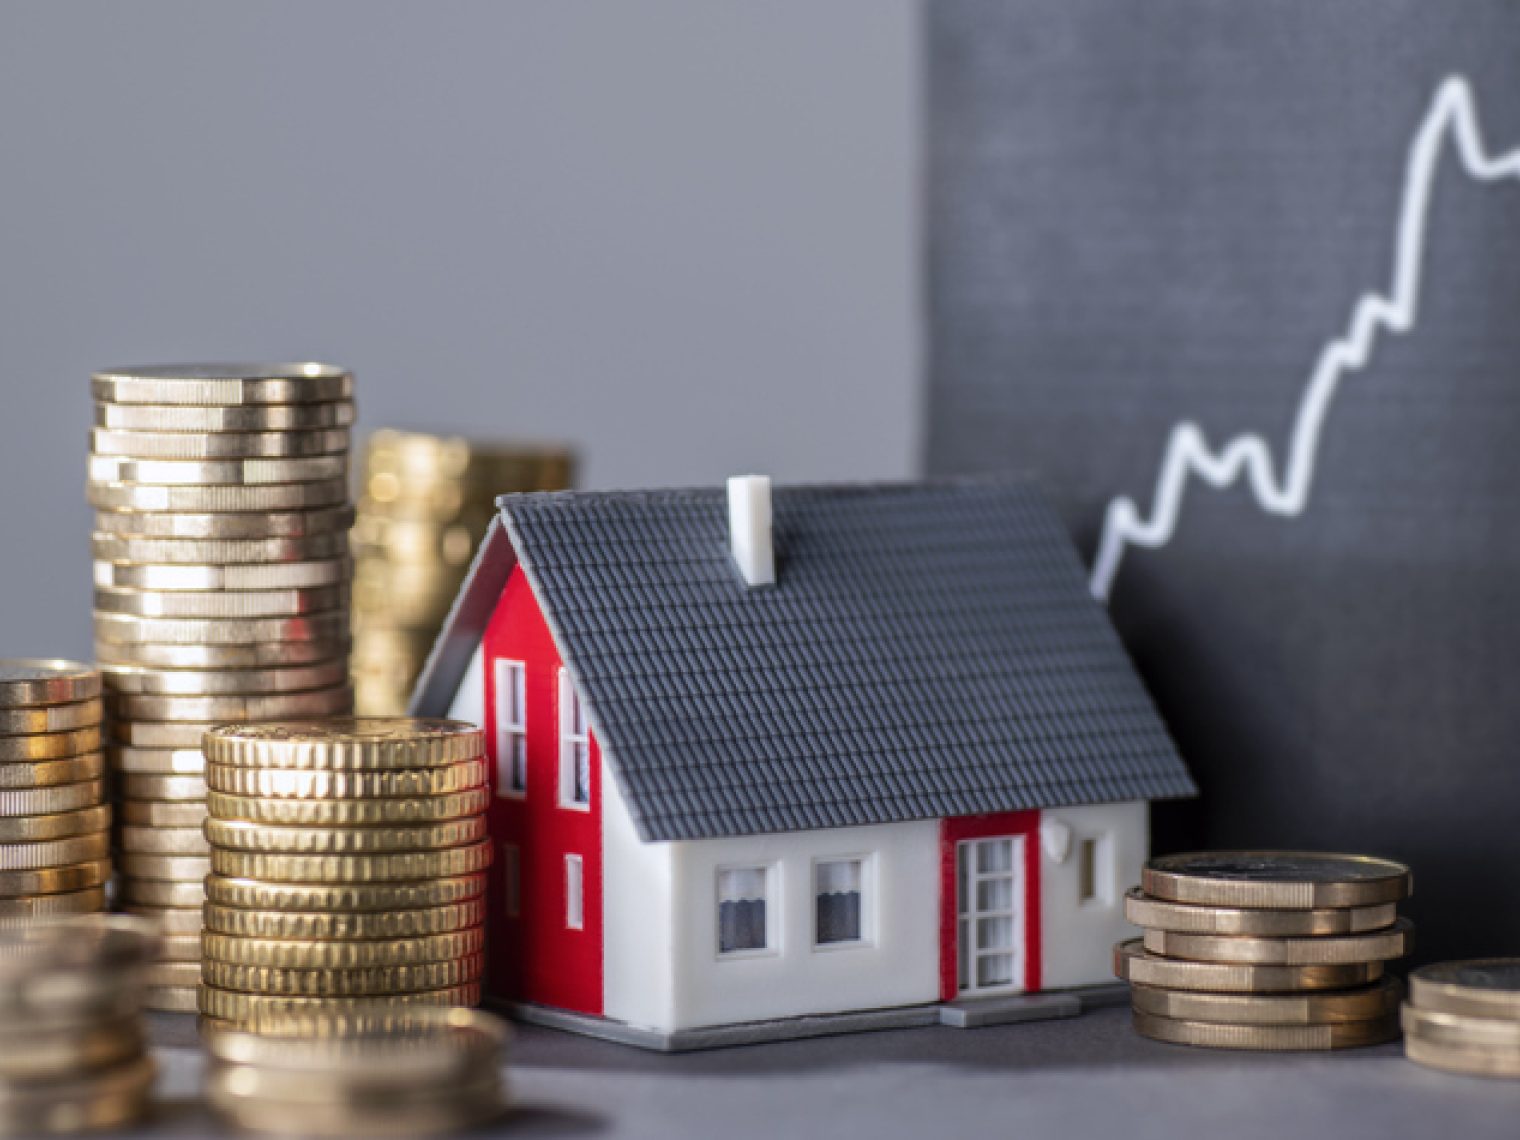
{"x": 165, "y": 868}
{"x": 173, "y": 974}
{"x": 195, "y": 578}
{"x": 1292, "y": 880}
{"x": 50, "y": 718}
{"x": 356, "y": 1072}
{"x": 223, "y": 384}
{"x": 335, "y": 1014}
{"x": 56, "y": 825}
{"x": 157, "y": 761}
{"x": 48, "y": 746}
{"x": 1276, "y": 1038}
{"x": 137, "y": 786}
{"x": 218, "y": 445}
{"x": 323, "y": 926}
{"x": 1134, "y": 964}
{"x": 245, "y": 835}
{"x": 1478, "y": 987}
{"x": 1461, "y": 1030}
{"x": 362, "y": 898}
{"x": 108, "y": 1098}
{"x": 136, "y": 679}
{"x": 1380, "y": 999}
{"x": 348, "y": 813}
{"x": 296, "y": 783}
{"x": 171, "y": 920}
{"x": 181, "y": 948}
{"x": 161, "y": 734}
{"x": 172, "y": 999}
{"x": 374, "y": 981}
{"x": 1379, "y": 945}
{"x": 27, "y": 682}
{"x": 150, "y": 813}
{"x": 1472, "y": 1060}
{"x": 32, "y": 1055}
{"x": 117, "y": 469}
{"x": 163, "y": 840}
{"x": 278, "y": 654}
{"x": 227, "y": 525}
{"x": 125, "y": 550}
{"x": 54, "y": 880}
{"x": 347, "y": 744}
{"x": 162, "y": 893}
{"x": 129, "y": 629}
{"x": 51, "y": 798}
{"x": 289, "y": 954}
{"x": 398, "y": 867}
{"x": 55, "y": 852}
{"x": 26, "y": 911}
{"x": 313, "y": 702}
{"x": 222, "y": 419}
{"x": 216, "y": 499}
{"x": 1158, "y": 914}
{"x": 250, "y": 1099}
{"x": 219, "y": 604}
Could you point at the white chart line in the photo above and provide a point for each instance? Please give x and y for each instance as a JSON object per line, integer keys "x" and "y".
{"x": 1452, "y": 114}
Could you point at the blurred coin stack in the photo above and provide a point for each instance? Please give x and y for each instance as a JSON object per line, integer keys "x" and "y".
{"x": 55, "y": 827}
{"x": 424, "y": 504}
{"x": 1275, "y": 950}
{"x": 221, "y": 594}
{"x": 348, "y": 862}
{"x": 72, "y": 1051}
{"x": 1464, "y": 1017}
{"x": 417, "y": 1072}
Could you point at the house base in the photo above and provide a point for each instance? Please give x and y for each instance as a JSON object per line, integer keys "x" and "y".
{"x": 969, "y": 1014}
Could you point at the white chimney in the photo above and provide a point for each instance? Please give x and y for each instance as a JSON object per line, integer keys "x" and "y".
{"x": 749, "y": 528}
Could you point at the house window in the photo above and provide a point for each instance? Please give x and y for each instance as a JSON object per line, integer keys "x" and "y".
{"x": 511, "y": 729}
{"x": 838, "y": 899}
{"x": 575, "y": 913}
{"x": 743, "y": 915}
{"x": 511, "y": 870}
{"x": 1094, "y": 877}
{"x": 574, "y": 747}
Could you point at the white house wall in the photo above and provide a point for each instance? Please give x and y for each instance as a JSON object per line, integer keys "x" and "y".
{"x": 1077, "y": 937}
{"x": 638, "y": 959}
{"x": 470, "y": 698}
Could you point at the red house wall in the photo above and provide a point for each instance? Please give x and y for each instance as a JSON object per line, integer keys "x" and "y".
{"x": 534, "y": 956}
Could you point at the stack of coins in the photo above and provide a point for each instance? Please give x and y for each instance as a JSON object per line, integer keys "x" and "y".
{"x": 348, "y": 864}
{"x": 222, "y": 582}
{"x": 1277, "y": 950}
{"x": 417, "y": 1072}
{"x": 72, "y": 1051}
{"x": 1464, "y": 1017}
{"x": 55, "y": 827}
{"x": 424, "y": 504}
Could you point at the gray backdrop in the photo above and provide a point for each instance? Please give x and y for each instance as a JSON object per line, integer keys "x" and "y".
{"x": 1145, "y": 215}
{"x": 679, "y": 234}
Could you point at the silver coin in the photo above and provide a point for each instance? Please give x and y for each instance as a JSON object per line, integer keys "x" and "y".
{"x": 220, "y": 419}
{"x": 306, "y": 382}
{"x": 225, "y": 525}
{"x": 218, "y": 445}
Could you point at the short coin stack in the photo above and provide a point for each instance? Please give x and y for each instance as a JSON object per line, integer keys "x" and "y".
{"x": 222, "y": 582}
{"x": 1464, "y": 1017}
{"x": 424, "y": 504}
{"x": 417, "y": 1072}
{"x": 55, "y": 827}
{"x": 348, "y": 863}
{"x": 72, "y": 1051}
{"x": 1278, "y": 950}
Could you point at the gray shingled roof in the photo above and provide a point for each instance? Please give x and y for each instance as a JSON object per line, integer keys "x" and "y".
{"x": 928, "y": 650}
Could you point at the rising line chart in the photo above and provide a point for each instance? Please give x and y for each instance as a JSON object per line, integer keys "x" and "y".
{"x": 1452, "y": 115}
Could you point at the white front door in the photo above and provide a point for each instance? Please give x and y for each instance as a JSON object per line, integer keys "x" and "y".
{"x": 989, "y": 884}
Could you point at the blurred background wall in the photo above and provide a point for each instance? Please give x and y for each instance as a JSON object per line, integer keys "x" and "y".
{"x": 680, "y": 234}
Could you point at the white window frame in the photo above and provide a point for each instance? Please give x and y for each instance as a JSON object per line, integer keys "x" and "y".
{"x": 511, "y": 730}
{"x": 573, "y": 738}
{"x": 772, "y": 881}
{"x": 867, "y": 937}
{"x": 575, "y": 893}
{"x": 1102, "y": 868}
{"x": 969, "y": 912}
{"x": 511, "y": 869}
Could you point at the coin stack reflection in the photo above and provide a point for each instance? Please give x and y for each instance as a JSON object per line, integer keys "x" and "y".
{"x": 348, "y": 861}
{"x": 1266, "y": 950}
{"x": 222, "y": 583}
{"x": 55, "y": 828}
{"x": 1464, "y": 1017}
{"x": 72, "y": 1050}
{"x": 424, "y": 504}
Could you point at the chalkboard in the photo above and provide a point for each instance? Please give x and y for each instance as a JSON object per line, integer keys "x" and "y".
{"x": 1242, "y": 282}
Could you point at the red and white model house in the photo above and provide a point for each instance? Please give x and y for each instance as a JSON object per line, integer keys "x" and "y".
{"x": 841, "y": 764}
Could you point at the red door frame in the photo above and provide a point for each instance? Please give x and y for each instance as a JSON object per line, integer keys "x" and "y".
{"x": 952, "y": 832}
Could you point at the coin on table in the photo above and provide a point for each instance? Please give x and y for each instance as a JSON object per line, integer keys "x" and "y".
{"x": 157, "y": 761}
{"x": 222, "y": 419}
{"x": 54, "y": 825}
{"x": 1470, "y": 1060}
{"x": 300, "y": 954}
{"x": 1134, "y": 964}
{"x": 330, "y": 926}
{"x": 216, "y": 498}
{"x": 163, "y": 840}
{"x": 1275, "y": 879}
{"x": 226, "y": 526}
{"x": 137, "y": 786}
{"x": 221, "y": 658}
{"x": 54, "y": 880}
{"x": 125, "y": 551}
{"x": 52, "y": 798}
{"x": 50, "y": 718}
{"x": 223, "y": 384}
{"x": 1377, "y": 945}
{"x": 299, "y": 783}
{"x": 249, "y": 1098}
{"x": 1336, "y": 1035}
{"x": 25, "y": 912}
{"x": 170, "y": 920}
{"x": 163, "y": 893}
{"x": 1437, "y": 1028}
{"x": 49, "y": 745}
{"x": 172, "y": 999}
{"x": 130, "y": 629}
{"x": 217, "y": 445}
{"x": 336, "y": 1014}
{"x": 55, "y": 852}
{"x": 348, "y": 813}
{"x": 219, "y": 604}
{"x": 28, "y": 682}
{"x": 167, "y": 868}
{"x": 216, "y": 472}
{"x": 313, "y": 702}
{"x": 362, "y": 898}
{"x": 398, "y": 867}
{"x": 1158, "y": 914}
{"x": 245, "y": 835}
{"x": 374, "y": 981}
{"x": 108, "y": 1098}
{"x": 1475, "y": 987}
{"x": 257, "y": 576}
{"x": 354, "y": 743}
{"x": 1365, "y": 1003}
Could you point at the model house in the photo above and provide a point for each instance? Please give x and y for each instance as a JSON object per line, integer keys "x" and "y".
{"x": 769, "y": 768}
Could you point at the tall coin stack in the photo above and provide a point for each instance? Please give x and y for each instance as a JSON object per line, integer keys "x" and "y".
{"x": 424, "y": 504}
{"x": 55, "y": 842}
{"x": 221, "y": 594}
{"x": 348, "y": 862}
{"x": 1273, "y": 950}
{"x": 1464, "y": 1017}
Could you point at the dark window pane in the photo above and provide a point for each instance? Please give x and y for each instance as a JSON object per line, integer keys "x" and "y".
{"x": 839, "y": 917}
{"x": 741, "y": 925}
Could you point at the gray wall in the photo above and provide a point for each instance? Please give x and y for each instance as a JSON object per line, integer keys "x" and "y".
{"x": 679, "y": 234}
